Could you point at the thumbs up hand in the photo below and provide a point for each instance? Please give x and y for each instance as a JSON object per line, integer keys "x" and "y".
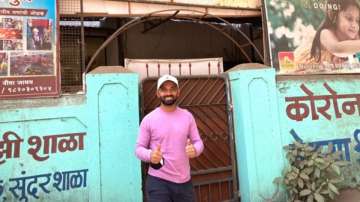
{"x": 156, "y": 155}
{"x": 190, "y": 149}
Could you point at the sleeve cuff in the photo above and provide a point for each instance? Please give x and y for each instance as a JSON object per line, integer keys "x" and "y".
{"x": 148, "y": 155}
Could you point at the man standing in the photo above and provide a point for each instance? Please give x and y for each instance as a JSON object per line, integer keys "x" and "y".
{"x": 167, "y": 139}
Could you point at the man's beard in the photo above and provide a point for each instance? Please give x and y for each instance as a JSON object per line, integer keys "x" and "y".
{"x": 167, "y": 101}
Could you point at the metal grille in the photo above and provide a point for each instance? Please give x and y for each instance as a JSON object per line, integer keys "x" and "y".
{"x": 71, "y": 57}
{"x": 205, "y": 97}
{"x": 69, "y": 7}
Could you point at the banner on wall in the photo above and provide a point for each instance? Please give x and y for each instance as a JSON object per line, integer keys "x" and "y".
{"x": 157, "y": 67}
{"x": 313, "y": 36}
{"x": 28, "y": 49}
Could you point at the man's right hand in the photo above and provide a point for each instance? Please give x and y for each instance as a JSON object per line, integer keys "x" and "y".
{"x": 156, "y": 155}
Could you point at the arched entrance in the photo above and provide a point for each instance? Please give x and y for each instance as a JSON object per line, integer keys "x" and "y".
{"x": 214, "y": 173}
{"x": 151, "y": 16}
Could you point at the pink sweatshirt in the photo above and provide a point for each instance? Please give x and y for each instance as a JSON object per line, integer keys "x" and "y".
{"x": 170, "y": 130}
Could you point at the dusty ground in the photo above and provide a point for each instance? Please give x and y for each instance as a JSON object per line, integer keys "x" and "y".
{"x": 349, "y": 195}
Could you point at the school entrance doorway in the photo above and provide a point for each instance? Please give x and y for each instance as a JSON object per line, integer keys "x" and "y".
{"x": 187, "y": 36}
{"x": 213, "y": 172}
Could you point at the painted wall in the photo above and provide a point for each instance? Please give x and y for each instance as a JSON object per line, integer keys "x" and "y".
{"x": 272, "y": 111}
{"x": 73, "y": 148}
{"x": 256, "y": 128}
{"x": 321, "y": 109}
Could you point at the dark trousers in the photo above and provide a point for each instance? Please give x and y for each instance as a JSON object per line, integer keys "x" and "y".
{"x": 159, "y": 190}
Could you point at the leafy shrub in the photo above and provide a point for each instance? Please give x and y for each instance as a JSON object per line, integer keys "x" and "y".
{"x": 312, "y": 175}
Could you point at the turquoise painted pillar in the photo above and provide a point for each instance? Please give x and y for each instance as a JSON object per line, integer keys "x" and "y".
{"x": 257, "y": 132}
{"x": 113, "y": 105}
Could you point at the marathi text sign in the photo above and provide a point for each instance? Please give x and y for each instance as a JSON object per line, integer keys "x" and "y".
{"x": 26, "y": 184}
{"x": 304, "y": 39}
{"x": 322, "y": 113}
{"x": 28, "y": 48}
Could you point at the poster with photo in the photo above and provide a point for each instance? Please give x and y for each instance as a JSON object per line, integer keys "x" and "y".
{"x": 4, "y": 65}
{"x": 22, "y": 64}
{"x": 29, "y": 65}
{"x": 314, "y": 36}
{"x": 39, "y": 34}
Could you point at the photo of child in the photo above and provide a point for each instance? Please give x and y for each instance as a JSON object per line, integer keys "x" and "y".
{"x": 323, "y": 39}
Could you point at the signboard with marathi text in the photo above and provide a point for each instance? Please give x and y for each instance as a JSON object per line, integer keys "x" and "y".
{"x": 304, "y": 37}
{"x": 32, "y": 163}
{"x": 53, "y": 151}
{"x": 322, "y": 112}
{"x": 28, "y": 49}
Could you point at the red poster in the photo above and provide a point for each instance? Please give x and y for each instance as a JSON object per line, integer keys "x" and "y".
{"x": 29, "y": 65}
{"x": 286, "y": 61}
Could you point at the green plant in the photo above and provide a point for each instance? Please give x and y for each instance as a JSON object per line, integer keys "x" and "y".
{"x": 312, "y": 175}
{"x": 351, "y": 176}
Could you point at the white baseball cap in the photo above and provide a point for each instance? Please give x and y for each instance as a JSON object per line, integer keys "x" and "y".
{"x": 166, "y": 77}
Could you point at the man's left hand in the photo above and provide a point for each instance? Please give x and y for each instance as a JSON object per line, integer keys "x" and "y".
{"x": 190, "y": 149}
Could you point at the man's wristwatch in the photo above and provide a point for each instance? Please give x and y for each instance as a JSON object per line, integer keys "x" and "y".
{"x": 158, "y": 165}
